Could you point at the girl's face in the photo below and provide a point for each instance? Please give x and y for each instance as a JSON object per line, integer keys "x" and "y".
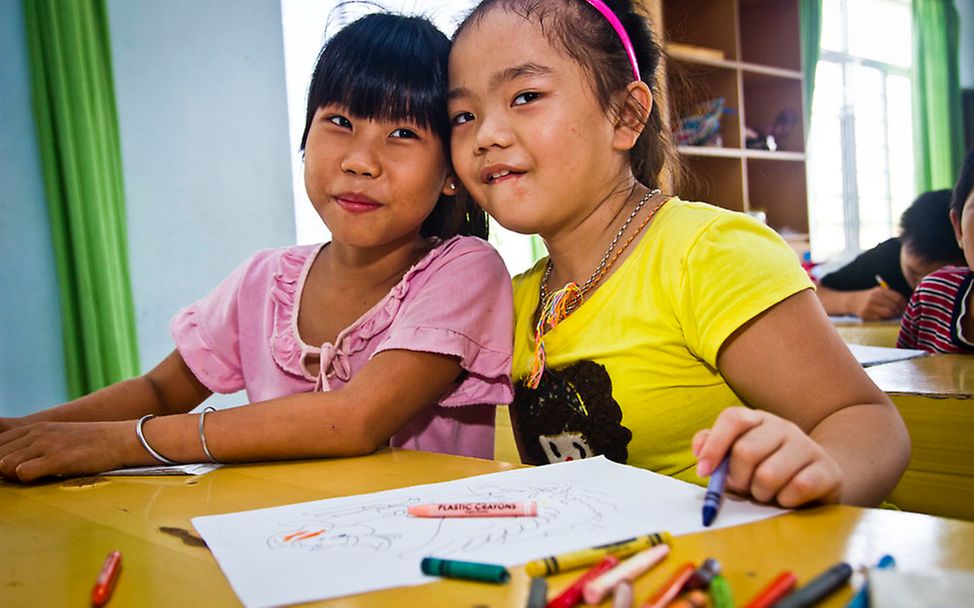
{"x": 530, "y": 141}
{"x": 964, "y": 228}
{"x": 373, "y": 182}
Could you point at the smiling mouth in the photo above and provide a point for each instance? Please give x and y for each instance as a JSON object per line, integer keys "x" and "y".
{"x": 500, "y": 175}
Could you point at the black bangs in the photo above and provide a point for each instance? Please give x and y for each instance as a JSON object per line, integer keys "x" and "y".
{"x": 384, "y": 67}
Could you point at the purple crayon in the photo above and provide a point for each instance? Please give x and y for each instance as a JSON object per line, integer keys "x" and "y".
{"x": 715, "y": 491}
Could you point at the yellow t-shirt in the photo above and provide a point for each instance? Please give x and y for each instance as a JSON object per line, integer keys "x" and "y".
{"x": 632, "y": 373}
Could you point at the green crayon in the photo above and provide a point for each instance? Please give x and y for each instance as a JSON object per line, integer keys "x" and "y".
{"x": 720, "y": 593}
{"x": 472, "y": 571}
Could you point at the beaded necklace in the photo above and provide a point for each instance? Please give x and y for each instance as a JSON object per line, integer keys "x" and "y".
{"x": 556, "y": 307}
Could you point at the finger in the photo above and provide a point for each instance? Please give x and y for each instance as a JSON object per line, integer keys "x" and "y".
{"x": 819, "y": 481}
{"x": 11, "y": 435}
{"x": 14, "y": 458}
{"x": 33, "y": 469}
{"x": 698, "y": 440}
{"x": 730, "y": 424}
{"x": 14, "y": 445}
{"x": 749, "y": 452}
{"x": 778, "y": 467}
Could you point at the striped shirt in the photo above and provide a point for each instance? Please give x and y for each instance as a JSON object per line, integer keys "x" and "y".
{"x": 932, "y": 320}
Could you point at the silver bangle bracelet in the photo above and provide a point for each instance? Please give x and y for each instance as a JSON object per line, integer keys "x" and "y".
{"x": 145, "y": 444}
{"x": 206, "y": 450}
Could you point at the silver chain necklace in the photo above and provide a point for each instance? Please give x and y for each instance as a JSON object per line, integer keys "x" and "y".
{"x": 601, "y": 268}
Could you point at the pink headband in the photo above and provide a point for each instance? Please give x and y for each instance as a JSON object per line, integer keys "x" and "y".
{"x": 600, "y": 6}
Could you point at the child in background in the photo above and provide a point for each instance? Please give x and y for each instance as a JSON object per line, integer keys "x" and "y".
{"x": 674, "y": 314}
{"x": 926, "y": 243}
{"x": 939, "y": 316}
{"x": 398, "y": 331}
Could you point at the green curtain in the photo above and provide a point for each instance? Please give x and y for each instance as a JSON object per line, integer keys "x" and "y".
{"x": 810, "y": 27}
{"x": 77, "y": 130}
{"x": 937, "y": 130}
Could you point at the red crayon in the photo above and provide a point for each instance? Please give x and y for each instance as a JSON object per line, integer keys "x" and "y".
{"x": 777, "y": 589}
{"x": 573, "y": 594}
{"x": 106, "y": 579}
{"x": 671, "y": 588}
{"x": 475, "y": 509}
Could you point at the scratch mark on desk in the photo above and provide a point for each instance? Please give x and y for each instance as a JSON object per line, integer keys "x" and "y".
{"x": 184, "y": 535}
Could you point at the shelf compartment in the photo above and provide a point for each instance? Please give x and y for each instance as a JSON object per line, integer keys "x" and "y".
{"x": 778, "y": 188}
{"x": 765, "y": 96}
{"x": 770, "y": 33}
{"x": 692, "y": 22}
{"x": 691, "y": 84}
{"x": 714, "y": 179}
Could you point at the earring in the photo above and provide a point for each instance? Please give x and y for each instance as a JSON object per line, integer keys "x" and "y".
{"x": 453, "y": 186}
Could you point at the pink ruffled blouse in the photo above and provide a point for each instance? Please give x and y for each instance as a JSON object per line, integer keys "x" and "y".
{"x": 455, "y": 301}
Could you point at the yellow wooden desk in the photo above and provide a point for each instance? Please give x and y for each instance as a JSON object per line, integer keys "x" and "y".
{"x": 55, "y": 536}
{"x": 935, "y": 396}
{"x": 869, "y": 333}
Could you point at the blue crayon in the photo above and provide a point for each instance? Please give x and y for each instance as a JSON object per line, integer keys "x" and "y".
{"x": 715, "y": 491}
{"x": 861, "y": 598}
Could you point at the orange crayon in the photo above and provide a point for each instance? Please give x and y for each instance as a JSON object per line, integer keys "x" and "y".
{"x": 671, "y": 588}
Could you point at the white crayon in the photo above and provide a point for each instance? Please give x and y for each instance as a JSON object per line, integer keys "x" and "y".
{"x": 628, "y": 571}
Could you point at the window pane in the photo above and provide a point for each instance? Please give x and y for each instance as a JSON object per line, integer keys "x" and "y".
{"x": 832, "y": 25}
{"x": 871, "y": 235}
{"x": 827, "y": 241}
{"x": 872, "y": 177}
{"x": 899, "y": 113}
{"x": 881, "y": 30}
{"x": 825, "y": 162}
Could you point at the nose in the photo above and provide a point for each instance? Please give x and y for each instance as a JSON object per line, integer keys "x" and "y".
{"x": 361, "y": 159}
{"x": 492, "y": 132}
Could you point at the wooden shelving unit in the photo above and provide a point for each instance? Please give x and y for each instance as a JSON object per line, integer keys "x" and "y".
{"x": 749, "y": 53}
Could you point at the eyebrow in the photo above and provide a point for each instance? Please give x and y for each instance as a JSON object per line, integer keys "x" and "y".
{"x": 507, "y": 74}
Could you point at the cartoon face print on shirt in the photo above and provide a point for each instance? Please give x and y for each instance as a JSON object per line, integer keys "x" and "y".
{"x": 570, "y": 415}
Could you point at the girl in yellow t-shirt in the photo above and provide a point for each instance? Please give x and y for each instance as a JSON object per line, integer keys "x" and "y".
{"x": 683, "y": 333}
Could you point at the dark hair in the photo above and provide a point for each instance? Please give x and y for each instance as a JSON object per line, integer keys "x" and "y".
{"x": 965, "y": 184}
{"x": 926, "y": 230}
{"x": 394, "y": 67}
{"x": 584, "y": 35}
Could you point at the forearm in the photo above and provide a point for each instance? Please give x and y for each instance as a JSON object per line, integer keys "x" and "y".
{"x": 835, "y": 302}
{"x": 307, "y": 425}
{"x": 872, "y": 447}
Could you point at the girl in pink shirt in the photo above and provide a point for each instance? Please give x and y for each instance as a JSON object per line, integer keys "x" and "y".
{"x": 396, "y": 332}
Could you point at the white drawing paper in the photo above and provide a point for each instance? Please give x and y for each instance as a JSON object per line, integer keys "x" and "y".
{"x": 177, "y": 469}
{"x": 340, "y": 546}
{"x": 876, "y": 355}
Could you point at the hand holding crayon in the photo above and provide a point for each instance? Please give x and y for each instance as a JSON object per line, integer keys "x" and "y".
{"x": 803, "y": 471}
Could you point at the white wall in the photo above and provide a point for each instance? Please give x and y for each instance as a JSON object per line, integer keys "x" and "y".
{"x": 202, "y": 115}
{"x": 31, "y": 367}
{"x": 203, "y": 118}
{"x": 965, "y": 9}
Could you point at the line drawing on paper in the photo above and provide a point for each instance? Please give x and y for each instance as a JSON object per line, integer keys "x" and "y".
{"x": 385, "y": 527}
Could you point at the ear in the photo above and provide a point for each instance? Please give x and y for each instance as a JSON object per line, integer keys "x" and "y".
{"x": 634, "y": 112}
{"x": 450, "y": 184}
{"x": 955, "y": 222}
